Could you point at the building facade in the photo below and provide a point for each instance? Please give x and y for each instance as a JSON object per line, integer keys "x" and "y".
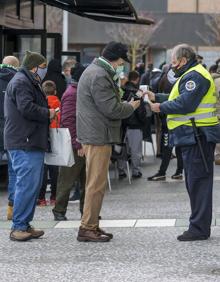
{"x": 30, "y": 25}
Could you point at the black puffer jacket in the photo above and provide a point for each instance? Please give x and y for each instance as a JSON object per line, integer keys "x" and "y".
{"x": 26, "y": 114}
{"x": 54, "y": 73}
{"x": 6, "y": 74}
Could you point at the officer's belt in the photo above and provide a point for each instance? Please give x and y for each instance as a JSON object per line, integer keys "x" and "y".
{"x": 196, "y": 117}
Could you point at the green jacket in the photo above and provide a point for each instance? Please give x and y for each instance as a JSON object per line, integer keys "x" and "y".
{"x": 99, "y": 107}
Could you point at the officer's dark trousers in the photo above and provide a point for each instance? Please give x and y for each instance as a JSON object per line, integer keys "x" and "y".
{"x": 199, "y": 184}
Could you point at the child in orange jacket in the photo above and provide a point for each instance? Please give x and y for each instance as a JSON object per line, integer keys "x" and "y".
{"x": 49, "y": 88}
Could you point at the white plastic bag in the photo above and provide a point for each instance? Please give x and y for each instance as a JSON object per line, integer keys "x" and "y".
{"x": 61, "y": 148}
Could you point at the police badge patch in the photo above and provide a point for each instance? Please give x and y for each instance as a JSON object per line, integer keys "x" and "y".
{"x": 190, "y": 85}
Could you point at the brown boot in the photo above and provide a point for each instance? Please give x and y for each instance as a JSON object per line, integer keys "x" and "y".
{"x": 86, "y": 235}
{"x": 110, "y": 235}
{"x": 35, "y": 234}
{"x": 19, "y": 235}
{"x": 9, "y": 212}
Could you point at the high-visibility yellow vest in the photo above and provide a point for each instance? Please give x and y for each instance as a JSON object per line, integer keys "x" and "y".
{"x": 205, "y": 114}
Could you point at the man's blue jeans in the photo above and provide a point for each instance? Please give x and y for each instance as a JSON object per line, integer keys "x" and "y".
{"x": 11, "y": 178}
{"x": 28, "y": 167}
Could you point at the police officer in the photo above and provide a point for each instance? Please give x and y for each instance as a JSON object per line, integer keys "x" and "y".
{"x": 193, "y": 97}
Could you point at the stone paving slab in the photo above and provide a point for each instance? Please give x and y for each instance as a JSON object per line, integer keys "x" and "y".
{"x": 103, "y": 223}
{"x": 129, "y": 223}
{"x": 155, "y": 222}
{"x": 217, "y": 221}
{"x": 182, "y": 222}
{"x": 37, "y": 224}
{"x": 68, "y": 224}
{"x": 134, "y": 255}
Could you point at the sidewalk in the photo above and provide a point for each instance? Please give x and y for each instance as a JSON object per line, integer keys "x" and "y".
{"x": 145, "y": 218}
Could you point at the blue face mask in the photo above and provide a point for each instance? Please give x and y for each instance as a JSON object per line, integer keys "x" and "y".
{"x": 41, "y": 72}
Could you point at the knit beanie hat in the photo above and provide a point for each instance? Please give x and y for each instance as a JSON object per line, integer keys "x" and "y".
{"x": 32, "y": 60}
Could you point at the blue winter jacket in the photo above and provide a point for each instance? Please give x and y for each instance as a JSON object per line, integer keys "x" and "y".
{"x": 26, "y": 114}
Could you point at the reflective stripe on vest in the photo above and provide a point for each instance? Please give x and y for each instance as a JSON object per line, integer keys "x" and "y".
{"x": 204, "y": 106}
{"x": 205, "y": 113}
{"x": 197, "y": 117}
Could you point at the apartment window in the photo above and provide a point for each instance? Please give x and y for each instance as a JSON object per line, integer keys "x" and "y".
{"x": 211, "y": 6}
{"x": 186, "y": 6}
{"x": 193, "y": 6}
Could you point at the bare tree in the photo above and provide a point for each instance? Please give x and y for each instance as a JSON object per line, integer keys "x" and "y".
{"x": 212, "y": 36}
{"x": 137, "y": 38}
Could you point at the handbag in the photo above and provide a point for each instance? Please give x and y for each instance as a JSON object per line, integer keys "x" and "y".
{"x": 61, "y": 151}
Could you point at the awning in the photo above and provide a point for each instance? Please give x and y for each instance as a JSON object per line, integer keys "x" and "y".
{"x": 120, "y": 11}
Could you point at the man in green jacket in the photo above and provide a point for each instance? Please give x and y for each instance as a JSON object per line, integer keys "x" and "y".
{"x": 99, "y": 114}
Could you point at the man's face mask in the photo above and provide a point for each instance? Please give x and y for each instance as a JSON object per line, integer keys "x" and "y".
{"x": 119, "y": 70}
{"x": 41, "y": 72}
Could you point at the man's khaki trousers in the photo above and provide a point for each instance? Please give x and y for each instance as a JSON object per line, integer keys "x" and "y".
{"x": 97, "y": 165}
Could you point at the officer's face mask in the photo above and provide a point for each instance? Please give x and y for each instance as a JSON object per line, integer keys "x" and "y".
{"x": 175, "y": 68}
{"x": 178, "y": 66}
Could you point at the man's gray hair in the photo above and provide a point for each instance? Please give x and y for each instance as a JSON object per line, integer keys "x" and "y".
{"x": 184, "y": 50}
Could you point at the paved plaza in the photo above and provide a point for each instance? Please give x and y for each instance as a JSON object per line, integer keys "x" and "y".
{"x": 145, "y": 219}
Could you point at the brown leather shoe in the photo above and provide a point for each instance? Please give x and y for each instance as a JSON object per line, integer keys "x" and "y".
{"x": 110, "y": 235}
{"x": 35, "y": 234}
{"x": 87, "y": 235}
{"x": 19, "y": 235}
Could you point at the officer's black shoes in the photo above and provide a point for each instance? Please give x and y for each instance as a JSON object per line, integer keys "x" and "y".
{"x": 157, "y": 177}
{"x": 177, "y": 176}
{"x": 188, "y": 236}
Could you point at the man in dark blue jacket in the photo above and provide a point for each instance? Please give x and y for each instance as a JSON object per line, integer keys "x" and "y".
{"x": 8, "y": 69}
{"x": 26, "y": 139}
{"x": 193, "y": 98}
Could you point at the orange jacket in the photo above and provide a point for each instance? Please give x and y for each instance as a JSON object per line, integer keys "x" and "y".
{"x": 53, "y": 103}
